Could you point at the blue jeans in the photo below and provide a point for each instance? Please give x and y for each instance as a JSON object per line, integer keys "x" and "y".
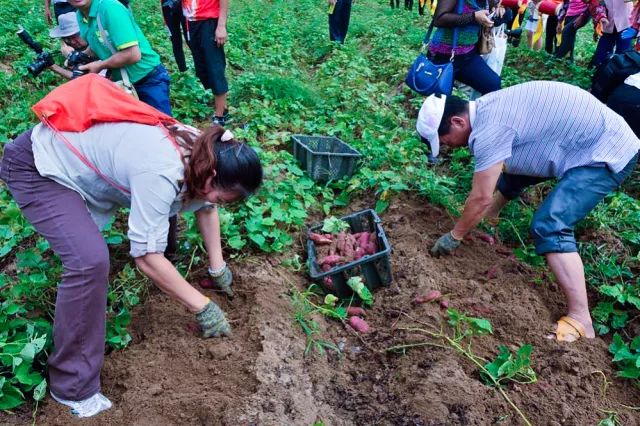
{"x": 339, "y": 21}
{"x": 471, "y": 70}
{"x": 574, "y": 196}
{"x": 606, "y": 44}
{"x": 153, "y": 89}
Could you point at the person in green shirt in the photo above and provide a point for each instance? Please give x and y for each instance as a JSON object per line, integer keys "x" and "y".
{"x": 125, "y": 47}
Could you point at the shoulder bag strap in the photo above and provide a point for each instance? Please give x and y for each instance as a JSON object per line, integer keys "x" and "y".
{"x": 123, "y": 70}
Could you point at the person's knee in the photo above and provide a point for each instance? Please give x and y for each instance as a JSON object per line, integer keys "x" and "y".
{"x": 92, "y": 259}
{"x": 550, "y": 236}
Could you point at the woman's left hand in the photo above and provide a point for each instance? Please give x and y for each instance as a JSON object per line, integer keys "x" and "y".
{"x": 222, "y": 280}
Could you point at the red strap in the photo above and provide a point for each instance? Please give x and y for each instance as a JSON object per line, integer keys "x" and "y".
{"x": 89, "y": 164}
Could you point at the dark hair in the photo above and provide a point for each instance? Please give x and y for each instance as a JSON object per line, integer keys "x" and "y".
{"x": 237, "y": 166}
{"x": 454, "y": 106}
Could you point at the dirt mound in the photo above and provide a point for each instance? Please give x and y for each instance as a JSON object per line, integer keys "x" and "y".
{"x": 259, "y": 376}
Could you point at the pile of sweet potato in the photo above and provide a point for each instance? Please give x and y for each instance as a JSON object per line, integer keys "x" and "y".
{"x": 338, "y": 249}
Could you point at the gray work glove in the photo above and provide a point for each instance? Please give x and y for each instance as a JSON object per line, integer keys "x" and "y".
{"x": 212, "y": 321}
{"x": 445, "y": 245}
{"x": 222, "y": 280}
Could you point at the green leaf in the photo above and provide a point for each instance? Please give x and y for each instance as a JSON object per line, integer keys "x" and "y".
{"x": 381, "y": 206}
{"x": 10, "y": 396}
{"x": 357, "y": 285}
{"x": 480, "y": 326}
{"x": 330, "y": 300}
{"x": 333, "y": 225}
{"x": 236, "y": 242}
{"x": 40, "y": 391}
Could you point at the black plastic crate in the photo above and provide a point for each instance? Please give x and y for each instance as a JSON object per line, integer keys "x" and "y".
{"x": 325, "y": 158}
{"x": 375, "y": 269}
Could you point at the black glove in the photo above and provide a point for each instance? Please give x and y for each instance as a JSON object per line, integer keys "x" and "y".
{"x": 445, "y": 245}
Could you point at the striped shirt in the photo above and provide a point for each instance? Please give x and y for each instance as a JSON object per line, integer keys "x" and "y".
{"x": 545, "y": 128}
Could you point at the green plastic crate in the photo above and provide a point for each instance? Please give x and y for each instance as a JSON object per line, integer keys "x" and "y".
{"x": 325, "y": 158}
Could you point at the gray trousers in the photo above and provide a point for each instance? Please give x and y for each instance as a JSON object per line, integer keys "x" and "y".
{"x": 60, "y": 215}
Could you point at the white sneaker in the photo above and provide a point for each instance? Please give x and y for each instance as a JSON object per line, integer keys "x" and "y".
{"x": 87, "y": 407}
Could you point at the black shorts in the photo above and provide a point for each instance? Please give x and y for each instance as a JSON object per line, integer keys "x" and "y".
{"x": 61, "y": 9}
{"x": 208, "y": 58}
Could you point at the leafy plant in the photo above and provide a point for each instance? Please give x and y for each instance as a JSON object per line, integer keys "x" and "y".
{"x": 509, "y": 367}
{"x": 626, "y": 356}
{"x": 467, "y": 326}
{"x": 303, "y": 311}
{"x": 359, "y": 288}
{"x": 333, "y": 225}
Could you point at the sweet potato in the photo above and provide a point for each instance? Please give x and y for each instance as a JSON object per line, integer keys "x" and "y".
{"x": 363, "y": 240}
{"x": 429, "y": 297}
{"x": 444, "y": 304}
{"x": 330, "y": 260}
{"x": 328, "y": 283}
{"x": 486, "y": 238}
{"x": 206, "y": 283}
{"x": 341, "y": 242}
{"x": 321, "y": 239}
{"x": 359, "y": 253}
{"x": 492, "y": 272}
{"x": 325, "y": 267}
{"x": 349, "y": 248}
{"x": 356, "y": 311}
{"x": 358, "y": 324}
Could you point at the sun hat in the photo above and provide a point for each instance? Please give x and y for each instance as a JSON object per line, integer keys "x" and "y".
{"x": 429, "y": 119}
{"x": 67, "y": 26}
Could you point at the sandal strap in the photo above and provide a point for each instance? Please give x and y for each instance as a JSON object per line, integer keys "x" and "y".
{"x": 573, "y": 323}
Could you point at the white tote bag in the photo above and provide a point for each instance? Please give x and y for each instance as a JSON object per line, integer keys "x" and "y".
{"x": 495, "y": 60}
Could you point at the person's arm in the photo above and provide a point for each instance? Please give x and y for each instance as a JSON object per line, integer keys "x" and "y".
{"x": 124, "y": 57}
{"x": 598, "y": 12}
{"x": 479, "y": 201}
{"x": 168, "y": 279}
{"x": 221, "y": 28}
{"x": 61, "y": 71}
{"x": 209, "y": 226}
{"x": 47, "y": 11}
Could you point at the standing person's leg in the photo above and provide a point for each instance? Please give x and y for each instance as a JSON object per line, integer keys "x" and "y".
{"x": 345, "y": 12}
{"x": 153, "y": 89}
{"x": 216, "y": 63}
{"x": 604, "y": 48}
{"x": 622, "y": 45}
{"x": 172, "y": 13}
{"x": 334, "y": 24}
{"x": 473, "y": 71}
{"x": 550, "y": 34}
{"x": 625, "y": 100}
{"x": 577, "y": 193}
{"x": 61, "y": 9}
{"x": 568, "y": 38}
{"x": 60, "y": 215}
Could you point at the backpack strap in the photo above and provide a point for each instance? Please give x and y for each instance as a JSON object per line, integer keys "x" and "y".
{"x": 123, "y": 71}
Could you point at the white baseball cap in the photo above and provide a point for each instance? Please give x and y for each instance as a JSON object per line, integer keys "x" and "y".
{"x": 67, "y": 26}
{"x": 429, "y": 119}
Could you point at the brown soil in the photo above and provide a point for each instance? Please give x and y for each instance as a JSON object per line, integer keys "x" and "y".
{"x": 169, "y": 376}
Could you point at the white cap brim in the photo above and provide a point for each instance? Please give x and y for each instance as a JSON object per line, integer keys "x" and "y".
{"x": 429, "y": 119}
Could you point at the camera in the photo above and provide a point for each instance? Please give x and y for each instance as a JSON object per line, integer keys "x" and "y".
{"x": 74, "y": 60}
{"x": 43, "y": 59}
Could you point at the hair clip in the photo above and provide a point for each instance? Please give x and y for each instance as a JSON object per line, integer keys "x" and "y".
{"x": 226, "y": 136}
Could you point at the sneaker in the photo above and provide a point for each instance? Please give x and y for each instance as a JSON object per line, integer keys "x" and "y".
{"x": 88, "y": 407}
{"x": 227, "y": 116}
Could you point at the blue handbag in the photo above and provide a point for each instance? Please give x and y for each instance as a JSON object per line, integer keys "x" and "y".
{"x": 425, "y": 77}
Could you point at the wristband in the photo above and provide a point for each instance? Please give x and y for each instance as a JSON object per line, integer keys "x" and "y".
{"x": 217, "y": 272}
{"x": 454, "y": 237}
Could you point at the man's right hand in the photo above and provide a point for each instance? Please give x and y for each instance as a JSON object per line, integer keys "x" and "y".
{"x": 446, "y": 244}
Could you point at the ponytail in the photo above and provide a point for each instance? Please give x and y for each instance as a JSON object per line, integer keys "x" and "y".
{"x": 237, "y": 166}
